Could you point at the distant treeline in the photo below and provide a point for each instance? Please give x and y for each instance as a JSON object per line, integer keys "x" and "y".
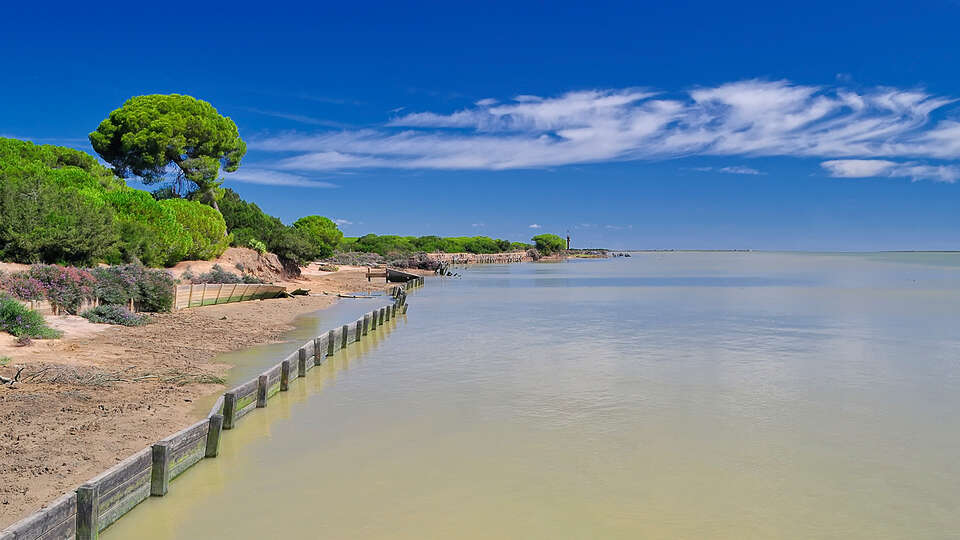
{"x": 392, "y": 244}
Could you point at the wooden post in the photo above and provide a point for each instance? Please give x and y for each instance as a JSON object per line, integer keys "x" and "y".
{"x": 404, "y": 309}
{"x": 344, "y": 336}
{"x": 373, "y": 320}
{"x": 386, "y": 313}
{"x": 285, "y": 373}
{"x": 88, "y": 512}
{"x": 160, "y": 471}
{"x": 229, "y": 409}
{"x": 190, "y": 297}
{"x": 302, "y": 362}
{"x": 331, "y": 342}
{"x": 383, "y": 315}
{"x": 366, "y": 323}
{"x": 317, "y": 351}
{"x": 261, "y": 391}
{"x": 359, "y": 330}
{"x": 213, "y": 435}
{"x": 203, "y": 293}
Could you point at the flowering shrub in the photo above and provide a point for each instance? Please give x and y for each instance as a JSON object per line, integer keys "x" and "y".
{"x": 156, "y": 291}
{"x": 66, "y": 286}
{"x": 17, "y": 319}
{"x": 112, "y": 314}
{"x": 23, "y": 287}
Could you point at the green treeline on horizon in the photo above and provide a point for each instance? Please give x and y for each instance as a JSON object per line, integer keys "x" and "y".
{"x": 60, "y": 205}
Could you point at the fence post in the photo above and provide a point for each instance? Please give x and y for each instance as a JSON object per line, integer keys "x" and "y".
{"x": 383, "y": 315}
{"x": 317, "y": 352}
{"x": 261, "y": 391}
{"x": 366, "y": 323}
{"x": 331, "y": 342}
{"x": 213, "y": 435}
{"x": 160, "y": 471}
{"x": 344, "y": 336}
{"x": 404, "y": 309}
{"x": 285, "y": 374}
{"x": 386, "y": 313}
{"x": 229, "y": 409}
{"x": 302, "y": 362}
{"x": 88, "y": 512}
{"x": 359, "y": 330}
{"x": 373, "y": 320}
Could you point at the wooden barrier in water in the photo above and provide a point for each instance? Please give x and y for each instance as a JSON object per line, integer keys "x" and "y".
{"x": 95, "y": 505}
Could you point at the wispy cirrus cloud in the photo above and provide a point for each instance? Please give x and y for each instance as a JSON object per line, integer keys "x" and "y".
{"x": 274, "y": 178}
{"x": 881, "y": 168}
{"x": 749, "y": 118}
{"x": 535, "y": 226}
{"x": 735, "y": 169}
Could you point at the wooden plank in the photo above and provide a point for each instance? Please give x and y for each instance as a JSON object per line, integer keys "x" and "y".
{"x": 58, "y": 520}
{"x": 186, "y": 447}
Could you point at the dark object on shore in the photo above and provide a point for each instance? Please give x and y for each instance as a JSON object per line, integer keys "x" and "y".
{"x": 300, "y": 292}
{"x": 397, "y": 276}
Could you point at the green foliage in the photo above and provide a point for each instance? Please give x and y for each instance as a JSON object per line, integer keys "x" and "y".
{"x": 322, "y": 231}
{"x": 49, "y": 214}
{"x": 156, "y": 291}
{"x": 257, "y": 246}
{"x": 246, "y": 221}
{"x": 150, "y": 133}
{"x": 114, "y": 314}
{"x": 149, "y": 232}
{"x": 204, "y": 225}
{"x": 17, "y": 319}
{"x": 15, "y": 154}
{"x": 519, "y": 246}
{"x": 549, "y": 243}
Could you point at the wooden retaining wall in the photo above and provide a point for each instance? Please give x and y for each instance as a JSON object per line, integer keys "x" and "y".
{"x": 103, "y": 500}
{"x": 186, "y": 296}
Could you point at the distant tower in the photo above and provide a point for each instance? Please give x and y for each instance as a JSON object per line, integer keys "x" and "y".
{"x": 568, "y": 239}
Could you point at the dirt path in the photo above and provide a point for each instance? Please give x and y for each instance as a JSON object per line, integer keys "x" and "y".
{"x": 101, "y": 393}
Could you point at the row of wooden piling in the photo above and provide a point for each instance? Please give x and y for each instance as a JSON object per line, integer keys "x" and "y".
{"x": 101, "y": 501}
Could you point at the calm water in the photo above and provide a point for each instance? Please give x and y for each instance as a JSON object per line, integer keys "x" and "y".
{"x": 672, "y": 395}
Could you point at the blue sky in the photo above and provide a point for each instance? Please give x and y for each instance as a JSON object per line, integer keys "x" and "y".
{"x": 814, "y": 126}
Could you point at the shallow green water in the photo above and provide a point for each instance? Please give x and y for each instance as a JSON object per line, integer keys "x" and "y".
{"x": 668, "y": 395}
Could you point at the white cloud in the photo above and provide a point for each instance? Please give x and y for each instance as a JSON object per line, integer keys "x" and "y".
{"x": 274, "y": 178}
{"x": 477, "y": 225}
{"x": 867, "y": 168}
{"x": 745, "y": 118}
{"x": 735, "y": 169}
{"x": 536, "y": 226}
{"x": 342, "y": 221}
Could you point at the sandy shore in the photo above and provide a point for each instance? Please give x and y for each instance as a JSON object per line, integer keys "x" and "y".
{"x": 101, "y": 393}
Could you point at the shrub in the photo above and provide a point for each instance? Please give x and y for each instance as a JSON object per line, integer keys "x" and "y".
{"x": 114, "y": 314}
{"x": 43, "y": 218}
{"x": 17, "y": 319}
{"x": 218, "y": 275}
{"x": 204, "y": 224}
{"x": 66, "y": 287}
{"x": 257, "y": 245}
{"x": 149, "y": 232}
{"x": 156, "y": 291}
{"x": 246, "y": 221}
{"x": 23, "y": 287}
{"x": 549, "y": 243}
{"x": 322, "y": 231}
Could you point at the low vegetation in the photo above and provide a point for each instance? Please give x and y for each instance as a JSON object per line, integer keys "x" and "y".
{"x": 67, "y": 288}
{"x": 218, "y": 275}
{"x": 548, "y": 244}
{"x": 23, "y": 322}
{"x": 114, "y": 314}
